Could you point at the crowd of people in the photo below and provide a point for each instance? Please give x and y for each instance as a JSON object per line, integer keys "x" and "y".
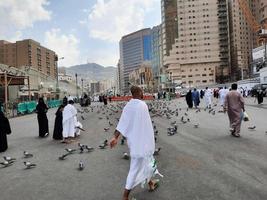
{"x": 66, "y": 127}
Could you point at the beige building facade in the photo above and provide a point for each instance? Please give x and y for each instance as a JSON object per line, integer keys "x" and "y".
{"x": 142, "y": 77}
{"x": 29, "y": 53}
{"x": 200, "y": 54}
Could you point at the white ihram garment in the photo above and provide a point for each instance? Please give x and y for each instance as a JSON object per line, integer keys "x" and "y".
{"x": 135, "y": 124}
{"x": 77, "y": 126}
{"x": 207, "y": 96}
{"x": 69, "y": 122}
{"x": 222, "y": 94}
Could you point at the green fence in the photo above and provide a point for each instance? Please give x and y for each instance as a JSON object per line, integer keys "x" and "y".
{"x": 30, "y": 106}
{"x": 54, "y": 103}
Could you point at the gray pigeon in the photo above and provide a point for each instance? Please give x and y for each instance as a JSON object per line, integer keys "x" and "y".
{"x": 196, "y": 125}
{"x": 6, "y": 163}
{"x": 29, "y": 165}
{"x": 27, "y": 154}
{"x": 252, "y": 127}
{"x": 9, "y": 159}
{"x": 63, "y": 157}
{"x": 89, "y": 149}
{"x": 125, "y": 156}
{"x": 81, "y": 166}
{"x": 103, "y": 145}
{"x": 70, "y": 150}
{"x": 157, "y": 151}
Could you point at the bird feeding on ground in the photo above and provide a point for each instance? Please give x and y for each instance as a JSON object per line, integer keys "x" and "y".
{"x": 70, "y": 150}
{"x": 157, "y": 151}
{"x": 6, "y": 163}
{"x": 9, "y": 159}
{"x": 81, "y": 166}
{"x": 252, "y": 127}
{"x": 103, "y": 145}
{"x": 27, "y": 154}
{"x": 63, "y": 157}
{"x": 29, "y": 165}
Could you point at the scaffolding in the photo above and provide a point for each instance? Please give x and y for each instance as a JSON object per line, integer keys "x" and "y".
{"x": 8, "y": 79}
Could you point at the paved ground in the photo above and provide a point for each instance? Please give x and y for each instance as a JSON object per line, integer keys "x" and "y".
{"x": 198, "y": 164}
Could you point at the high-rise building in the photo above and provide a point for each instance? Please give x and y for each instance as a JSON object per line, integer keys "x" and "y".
{"x": 29, "y": 53}
{"x": 135, "y": 48}
{"x": 261, "y": 12}
{"x": 243, "y": 39}
{"x": 200, "y": 53}
{"x": 169, "y": 24}
{"x": 119, "y": 78}
{"x": 156, "y": 54}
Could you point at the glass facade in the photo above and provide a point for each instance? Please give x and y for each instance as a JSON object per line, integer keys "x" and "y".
{"x": 147, "y": 47}
{"x": 135, "y": 48}
{"x": 155, "y": 50}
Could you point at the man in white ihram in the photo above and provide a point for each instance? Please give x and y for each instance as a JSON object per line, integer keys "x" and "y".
{"x": 222, "y": 94}
{"x": 135, "y": 124}
{"x": 69, "y": 122}
{"x": 207, "y": 96}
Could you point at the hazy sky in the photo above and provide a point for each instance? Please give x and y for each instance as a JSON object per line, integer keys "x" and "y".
{"x": 78, "y": 30}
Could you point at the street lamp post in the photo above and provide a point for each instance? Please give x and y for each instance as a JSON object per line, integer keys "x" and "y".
{"x": 76, "y": 85}
{"x": 82, "y": 85}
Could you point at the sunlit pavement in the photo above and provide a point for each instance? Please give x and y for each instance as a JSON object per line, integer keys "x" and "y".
{"x": 203, "y": 163}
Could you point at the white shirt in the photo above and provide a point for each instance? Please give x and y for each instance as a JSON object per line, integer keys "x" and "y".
{"x": 69, "y": 112}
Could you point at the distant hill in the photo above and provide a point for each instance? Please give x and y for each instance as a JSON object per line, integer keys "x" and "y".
{"x": 92, "y": 71}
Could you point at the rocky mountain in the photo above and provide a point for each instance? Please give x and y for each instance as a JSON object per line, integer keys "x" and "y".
{"x": 92, "y": 71}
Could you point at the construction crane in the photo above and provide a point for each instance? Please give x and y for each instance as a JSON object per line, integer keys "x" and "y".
{"x": 259, "y": 29}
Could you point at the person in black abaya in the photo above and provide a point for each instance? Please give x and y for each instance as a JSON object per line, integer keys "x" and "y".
{"x": 4, "y": 131}
{"x": 260, "y": 96}
{"x": 189, "y": 99}
{"x": 41, "y": 110}
{"x": 58, "y": 128}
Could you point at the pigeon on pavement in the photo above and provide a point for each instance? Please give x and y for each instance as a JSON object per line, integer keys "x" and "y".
{"x": 70, "y": 150}
{"x": 157, "y": 151}
{"x": 252, "y": 127}
{"x": 103, "y": 145}
{"x": 126, "y": 156}
{"x": 6, "y": 163}
{"x": 27, "y": 154}
{"x": 9, "y": 159}
{"x": 81, "y": 166}
{"x": 63, "y": 157}
{"x": 29, "y": 165}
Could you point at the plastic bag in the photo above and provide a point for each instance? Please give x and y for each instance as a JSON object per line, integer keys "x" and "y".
{"x": 245, "y": 117}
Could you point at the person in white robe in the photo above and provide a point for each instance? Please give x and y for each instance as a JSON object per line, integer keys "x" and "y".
{"x": 136, "y": 126}
{"x": 78, "y": 127}
{"x": 222, "y": 94}
{"x": 207, "y": 96}
{"x": 69, "y": 121}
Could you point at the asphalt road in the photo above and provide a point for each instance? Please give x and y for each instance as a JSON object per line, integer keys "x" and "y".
{"x": 203, "y": 163}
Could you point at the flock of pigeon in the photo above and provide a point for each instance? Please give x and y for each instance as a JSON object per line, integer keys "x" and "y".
{"x": 169, "y": 110}
{"x": 8, "y": 161}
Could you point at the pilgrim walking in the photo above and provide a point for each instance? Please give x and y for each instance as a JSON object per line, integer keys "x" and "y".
{"x": 41, "y": 110}
{"x": 189, "y": 99}
{"x": 234, "y": 105}
{"x": 195, "y": 97}
{"x": 136, "y": 126}
{"x": 207, "y": 96}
